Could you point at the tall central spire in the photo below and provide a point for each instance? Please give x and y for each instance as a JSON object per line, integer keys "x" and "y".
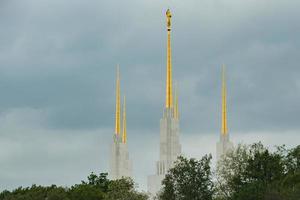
{"x": 169, "y": 96}
{"x": 224, "y": 130}
{"x": 169, "y": 146}
{"x": 118, "y": 104}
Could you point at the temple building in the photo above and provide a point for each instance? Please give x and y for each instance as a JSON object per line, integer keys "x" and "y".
{"x": 170, "y": 147}
{"x": 224, "y": 145}
{"x": 120, "y": 164}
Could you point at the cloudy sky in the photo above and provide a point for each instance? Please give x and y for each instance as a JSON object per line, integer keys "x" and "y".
{"x": 57, "y": 77}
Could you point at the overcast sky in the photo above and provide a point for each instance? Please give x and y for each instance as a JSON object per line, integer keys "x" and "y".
{"x": 57, "y": 76}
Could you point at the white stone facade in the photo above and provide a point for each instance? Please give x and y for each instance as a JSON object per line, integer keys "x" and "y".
{"x": 120, "y": 164}
{"x": 223, "y": 146}
{"x": 170, "y": 149}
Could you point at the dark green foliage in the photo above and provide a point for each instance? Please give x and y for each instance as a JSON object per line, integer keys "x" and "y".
{"x": 57, "y": 193}
{"x": 96, "y": 188}
{"x": 123, "y": 189}
{"x": 189, "y": 179}
{"x": 253, "y": 172}
{"x": 86, "y": 191}
{"x": 100, "y": 181}
{"x": 36, "y": 193}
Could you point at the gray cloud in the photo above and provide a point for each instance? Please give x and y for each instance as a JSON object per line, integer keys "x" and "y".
{"x": 57, "y": 76}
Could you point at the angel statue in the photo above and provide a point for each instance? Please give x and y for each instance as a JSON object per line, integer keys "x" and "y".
{"x": 168, "y": 14}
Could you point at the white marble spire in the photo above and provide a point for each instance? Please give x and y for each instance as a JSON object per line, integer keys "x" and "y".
{"x": 224, "y": 145}
{"x": 170, "y": 147}
{"x": 120, "y": 164}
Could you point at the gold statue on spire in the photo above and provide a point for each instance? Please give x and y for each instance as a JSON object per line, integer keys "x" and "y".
{"x": 169, "y": 96}
{"x": 224, "y": 129}
{"x": 168, "y": 14}
{"x": 118, "y": 107}
{"x": 124, "y": 135}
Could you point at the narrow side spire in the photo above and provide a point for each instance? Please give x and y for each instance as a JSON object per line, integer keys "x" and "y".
{"x": 124, "y": 135}
{"x": 224, "y": 129}
{"x": 169, "y": 96}
{"x": 118, "y": 106}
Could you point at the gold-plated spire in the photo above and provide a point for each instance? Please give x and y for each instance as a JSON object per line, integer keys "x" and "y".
{"x": 124, "y": 135}
{"x": 176, "y": 110}
{"x": 169, "y": 97}
{"x": 118, "y": 106}
{"x": 224, "y": 129}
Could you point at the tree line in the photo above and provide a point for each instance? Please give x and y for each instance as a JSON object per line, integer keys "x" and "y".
{"x": 95, "y": 188}
{"x": 249, "y": 172}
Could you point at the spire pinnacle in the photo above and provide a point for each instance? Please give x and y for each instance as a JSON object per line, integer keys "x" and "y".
{"x": 118, "y": 107}
{"x": 224, "y": 129}
{"x": 168, "y": 15}
{"x": 124, "y": 135}
{"x": 169, "y": 97}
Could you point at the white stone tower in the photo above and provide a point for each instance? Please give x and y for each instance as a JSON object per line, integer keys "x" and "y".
{"x": 224, "y": 145}
{"x": 120, "y": 164}
{"x": 170, "y": 147}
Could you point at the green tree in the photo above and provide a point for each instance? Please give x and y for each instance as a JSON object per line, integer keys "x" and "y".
{"x": 95, "y": 188}
{"x": 34, "y": 193}
{"x": 254, "y": 172}
{"x": 290, "y": 184}
{"x": 4, "y": 194}
{"x": 85, "y": 192}
{"x": 230, "y": 171}
{"x": 101, "y": 181}
{"x": 124, "y": 189}
{"x": 57, "y": 193}
{"x": 189, "y": 179}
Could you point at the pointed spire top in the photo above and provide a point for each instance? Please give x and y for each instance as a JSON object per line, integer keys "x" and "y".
{"x": 224, "y": 129}
{"x": 168, "y": 12}
{"x": 124, "y": 135}
{"x": 118, "y": 106}
{"x": 168, "y": 15}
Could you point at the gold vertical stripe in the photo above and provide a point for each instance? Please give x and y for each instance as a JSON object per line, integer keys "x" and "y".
{"x": 224, "y": 130}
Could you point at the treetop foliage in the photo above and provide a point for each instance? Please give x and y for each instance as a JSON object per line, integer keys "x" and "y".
{"x": 95, "y": 188}
{"x": 254, "y": 172}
